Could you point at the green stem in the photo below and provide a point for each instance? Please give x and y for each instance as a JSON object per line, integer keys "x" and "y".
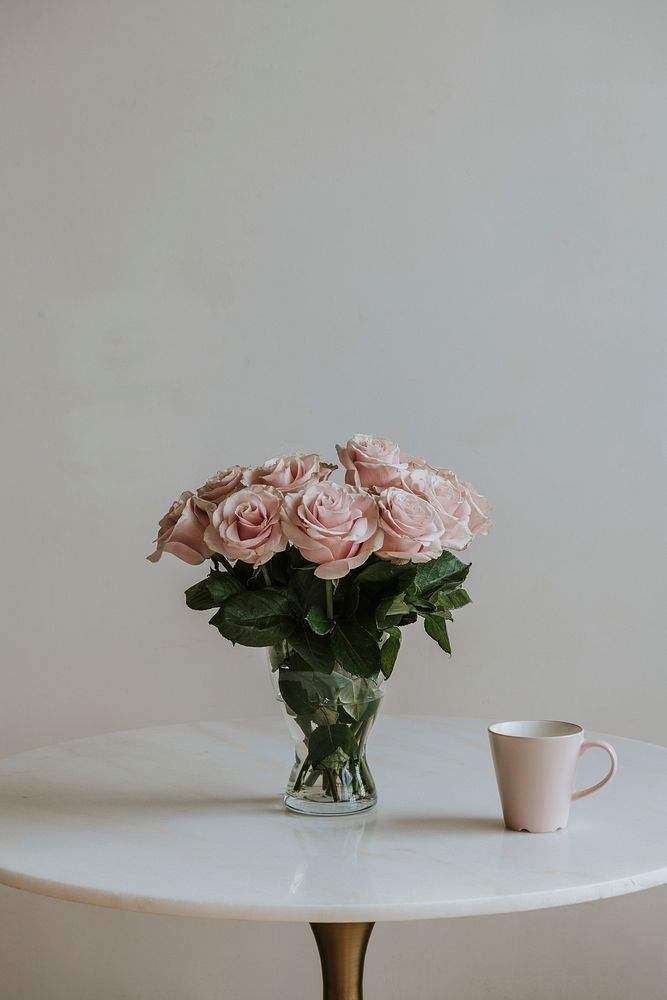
{"x": 265, "y": 574}
{"x": 333, "y": 791}
{"x": 366, "y": 775}
{"x": 218, "y": 557}
{"x": 361, "y": 737}
{"x": 300, "y": 776}
{"x": 329, "y": 593}
{"x": 305, "y": 727}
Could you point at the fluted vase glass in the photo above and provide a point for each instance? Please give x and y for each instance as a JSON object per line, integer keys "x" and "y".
{"x": 330, "y": 716}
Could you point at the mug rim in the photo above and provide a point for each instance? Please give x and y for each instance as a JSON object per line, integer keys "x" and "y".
{"x": 574, "y": 727}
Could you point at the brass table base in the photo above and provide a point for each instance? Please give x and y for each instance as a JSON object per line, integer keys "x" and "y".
{"x": 342, "y": 949}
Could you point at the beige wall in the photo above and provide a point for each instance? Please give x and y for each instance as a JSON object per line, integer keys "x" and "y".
{"x": 238, "y": 227}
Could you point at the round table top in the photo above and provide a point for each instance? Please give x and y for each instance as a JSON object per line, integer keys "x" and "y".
{"x": 189, "y": 820}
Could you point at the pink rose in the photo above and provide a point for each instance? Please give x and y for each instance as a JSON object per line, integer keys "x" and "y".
{"x": 335, "y": 526}
{"x": 289, "y": 473}
{"x": 181, "y": 530}
{"x": 246, "y": 526}
{"x": 221, "y": 484}
{"x": 480, "y": 508}
{"x": 371, "y": 461}
{"x": 414, "y": 462}
{"x": 412, "y": 527}
{"x": 449, "y": 498}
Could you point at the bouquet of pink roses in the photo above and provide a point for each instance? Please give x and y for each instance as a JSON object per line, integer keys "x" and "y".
{"x": 326, "y": 575}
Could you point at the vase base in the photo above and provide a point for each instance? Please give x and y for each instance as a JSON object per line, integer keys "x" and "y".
{"x": 325, "y": 807}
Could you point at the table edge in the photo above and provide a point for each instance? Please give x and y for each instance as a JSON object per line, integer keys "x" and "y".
{"x": 379, "y": 912}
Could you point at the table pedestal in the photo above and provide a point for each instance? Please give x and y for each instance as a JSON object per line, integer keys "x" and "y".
{"x": 342, "y": 949}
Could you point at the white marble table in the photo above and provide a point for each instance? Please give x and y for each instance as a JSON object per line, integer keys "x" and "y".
{"x": 188, "y": 820}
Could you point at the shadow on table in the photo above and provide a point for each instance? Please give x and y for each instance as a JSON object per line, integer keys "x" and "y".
{"x": 126, "y": 803}
{"x": 430, "y": 824}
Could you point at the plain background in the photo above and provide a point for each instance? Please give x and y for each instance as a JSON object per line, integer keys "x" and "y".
{"x": 232, "y": 228}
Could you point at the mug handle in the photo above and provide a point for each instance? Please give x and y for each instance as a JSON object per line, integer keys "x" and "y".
{"x": 586, "y": 745}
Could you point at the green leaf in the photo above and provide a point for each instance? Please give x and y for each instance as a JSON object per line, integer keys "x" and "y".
{"x": 296, "y": 696}
{"x": 303, "y": 692}
{"x": 389, "y": 650}
{"x": 358, "y": 697}
{"x": 436, "y": 627}
{"x": 326, "y": 741}
{"x": 312, "y": 694}
{"x": 199, "y": 597}
{"x": 422, "y": 606}
{"x": 316, "y": 650}
{"x": 447, "y": 600}
{"x": 446, "y": 569}
{"x": 346, "y": 597}
{"x": 356, "y": 648}
{"x": 380, "y": 571}
{"x": 319, "y": 621}
{"x": 278, "y": 568}
{"x": 212, "y": 592}
{"x": 305, "y": 591}
{"x": 296, "y": 662}
{"x": 390, "y": 607}
{"x": 403, "y": 620}
{"x": 296, "y": 560}
{"x": 243, "y": 571}
{"x": 250, "y": 576}
{"x": 255, "y": 618}
{"x": 223, "y": 585}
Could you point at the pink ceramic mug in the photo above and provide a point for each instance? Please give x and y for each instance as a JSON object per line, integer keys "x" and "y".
{"x": 535, "y": 766}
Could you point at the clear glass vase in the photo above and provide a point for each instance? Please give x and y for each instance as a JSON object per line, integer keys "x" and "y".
{"x": 330, "y": 716}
